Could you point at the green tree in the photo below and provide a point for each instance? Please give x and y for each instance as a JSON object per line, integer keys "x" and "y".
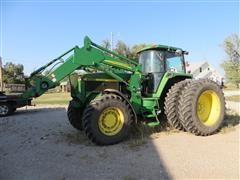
{"x": 231, "y": 65}
{"x": 13, "y": 73}
{"x": 106, "y": 44}
{"x": 135, "y": 49}
{"x": 122, "y": 48}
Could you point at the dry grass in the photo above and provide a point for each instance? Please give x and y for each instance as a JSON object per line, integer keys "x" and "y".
{"x": 235, "y": 98}
{"x": 141, "y": 131}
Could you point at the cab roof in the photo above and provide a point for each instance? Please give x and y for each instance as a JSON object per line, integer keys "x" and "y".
{"x": 162, "y": 47}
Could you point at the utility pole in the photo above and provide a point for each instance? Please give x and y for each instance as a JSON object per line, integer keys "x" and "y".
{"x": 1, "y": 76}
{"x": 111, "y": 41}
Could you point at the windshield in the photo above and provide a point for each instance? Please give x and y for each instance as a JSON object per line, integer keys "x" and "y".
{"x": 152, "y": 61}
{"x": 174, "y": 62}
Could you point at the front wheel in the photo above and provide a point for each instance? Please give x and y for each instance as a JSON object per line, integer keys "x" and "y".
{"x": 107, "y": 119}
{"x": 75, "y": 116}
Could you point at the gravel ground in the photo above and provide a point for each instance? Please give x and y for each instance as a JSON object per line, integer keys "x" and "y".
{"x": 39, "y": 143}
{"x": 235, "y": 106}
{"x": 231, "y": 92}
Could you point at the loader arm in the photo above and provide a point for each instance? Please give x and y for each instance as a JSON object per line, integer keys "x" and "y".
{"x": 91, "y": 56}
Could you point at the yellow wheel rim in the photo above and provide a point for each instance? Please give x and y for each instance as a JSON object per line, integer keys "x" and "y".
{"x": 111, "y": 121}
{"x": 208, "y": 107}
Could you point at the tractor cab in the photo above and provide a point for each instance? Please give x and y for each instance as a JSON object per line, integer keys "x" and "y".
{"x": 157, "y": 60}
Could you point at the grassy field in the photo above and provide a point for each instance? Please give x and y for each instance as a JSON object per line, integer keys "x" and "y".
{"x": 230, "y": 86}
{"x": 53, "y": 98}
{"x": 235, "y": 98}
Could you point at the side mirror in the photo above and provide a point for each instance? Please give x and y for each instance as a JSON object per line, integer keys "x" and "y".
{"x": 178, "y": 52}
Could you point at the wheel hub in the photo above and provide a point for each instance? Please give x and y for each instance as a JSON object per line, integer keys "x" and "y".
{"x": 208, "y": 107}
{"x": 3, "y": 109}
{"x": 111, "y": 121}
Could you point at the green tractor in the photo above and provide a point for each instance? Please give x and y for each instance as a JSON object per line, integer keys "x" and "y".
{"x": 115, "y": 92}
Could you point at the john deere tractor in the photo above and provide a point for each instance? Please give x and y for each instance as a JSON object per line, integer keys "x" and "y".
{"x": 111, "y": 92}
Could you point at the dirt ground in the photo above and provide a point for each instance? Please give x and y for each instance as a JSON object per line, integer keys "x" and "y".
{"x": 231, "y": 92}
{"x": 39, "y": 143}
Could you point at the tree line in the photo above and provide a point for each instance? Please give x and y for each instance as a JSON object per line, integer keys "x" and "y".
{"x": 13, "y": 73}
{"x": 124, "y": 49}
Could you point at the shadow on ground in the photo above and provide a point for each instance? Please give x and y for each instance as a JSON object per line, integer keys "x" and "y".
{"x": 39, "y": 143}
{"x": 231, "y": 118}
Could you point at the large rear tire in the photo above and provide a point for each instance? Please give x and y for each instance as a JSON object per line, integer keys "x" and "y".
{"x": 75, "y": 116}
{"x": 107, "y": 119}
{"x": 171, "y": 104}
{"x": 202, "y": 107}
